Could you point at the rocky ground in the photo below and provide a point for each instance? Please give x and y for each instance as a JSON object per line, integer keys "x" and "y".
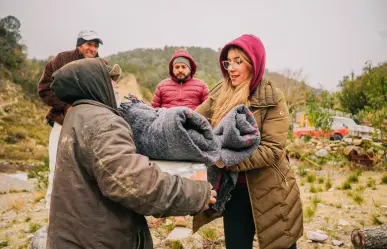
{"x": 337, "y": 198}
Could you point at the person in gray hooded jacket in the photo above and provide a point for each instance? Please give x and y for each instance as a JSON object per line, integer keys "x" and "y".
{"x": 102, "y": 189}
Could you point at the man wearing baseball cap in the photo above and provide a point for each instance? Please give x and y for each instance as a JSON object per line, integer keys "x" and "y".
{"x": 87, "y": 45}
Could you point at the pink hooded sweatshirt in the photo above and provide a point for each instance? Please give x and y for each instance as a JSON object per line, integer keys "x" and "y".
{"x": 255, "y": 50}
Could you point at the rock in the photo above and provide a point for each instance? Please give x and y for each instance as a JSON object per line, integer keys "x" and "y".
{"x": 183, "y": 235}
{"x": 343, "y": 223}
{"x": 8, "y": 233}
{"x": 322, "y": 153}
{"x": 194, "y": 241}
{"x": 168, "y": 222}
{"x": 179, "y": 233}
{"x": 337, "y": 242}
{"x": 318, "y": 147}
{"x": 29, "y": 236}
{"x": 317, "y": 237}
{"x": 222, "y": 239}
{"x": 348, "y": 149}
{"x": 357, "y": 142}
{"x": 328, "y": 148}
{"x": 39, "y": 239}
{"x": 383, "y": 207}
{"x": 320, "y": 205}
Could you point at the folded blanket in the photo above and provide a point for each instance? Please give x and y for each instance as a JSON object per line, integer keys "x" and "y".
{"x": 239, "y": 137}
{"x": 177, "y": 133}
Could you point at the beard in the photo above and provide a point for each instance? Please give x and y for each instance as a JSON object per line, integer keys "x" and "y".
{"x": 181, "y": 77}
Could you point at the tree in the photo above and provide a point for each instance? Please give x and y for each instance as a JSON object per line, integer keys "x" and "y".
{"x": 318, "y": 110}
{"x": 12, "y": 54}
{"x": 352, "y": 96}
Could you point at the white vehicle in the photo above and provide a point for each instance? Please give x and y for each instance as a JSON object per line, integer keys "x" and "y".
{"x": 355, "y": 130}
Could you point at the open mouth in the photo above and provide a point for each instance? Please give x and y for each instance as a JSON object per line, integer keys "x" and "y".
{"x": 234, "y": 77}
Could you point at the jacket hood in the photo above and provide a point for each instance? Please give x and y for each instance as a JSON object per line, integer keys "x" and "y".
{"x": 255, "y": 50}
{"x": 182, "y": 53}
{"x": 85, "y": 79}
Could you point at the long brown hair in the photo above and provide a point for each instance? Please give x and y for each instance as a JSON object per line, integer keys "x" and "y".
{"x": 230, "y": 96}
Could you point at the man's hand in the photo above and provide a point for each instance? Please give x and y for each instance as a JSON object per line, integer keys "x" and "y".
{"x": 212, "y": 199}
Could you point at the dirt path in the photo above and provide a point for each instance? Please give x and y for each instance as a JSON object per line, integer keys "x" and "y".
{"x": 331, "y": 210}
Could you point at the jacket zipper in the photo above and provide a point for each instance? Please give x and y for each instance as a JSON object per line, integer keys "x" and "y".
{"x": 181, "y": 87}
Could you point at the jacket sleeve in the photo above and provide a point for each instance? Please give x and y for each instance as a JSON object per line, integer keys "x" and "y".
{"x": 204, "y": 93}
{"x": 156, "y": 102}
{"x": 44, "y": 85}
{"x": 131, "y": 180}
{"x": 274, "y": 134}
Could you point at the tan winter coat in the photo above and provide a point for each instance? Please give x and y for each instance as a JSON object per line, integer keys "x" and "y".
{"x": 273, "y": 190}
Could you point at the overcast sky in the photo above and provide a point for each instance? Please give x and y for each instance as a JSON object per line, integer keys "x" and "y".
{"x": 326, "y": 38}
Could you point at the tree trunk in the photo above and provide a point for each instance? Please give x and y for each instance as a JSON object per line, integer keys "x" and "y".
{"x": 370, "y": 237}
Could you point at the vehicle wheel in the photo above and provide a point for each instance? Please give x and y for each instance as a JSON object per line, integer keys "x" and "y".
{"x": 337, "y": 137}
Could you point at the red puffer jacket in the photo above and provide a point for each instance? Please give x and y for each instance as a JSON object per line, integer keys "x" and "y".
{"x": 190, "y": 93}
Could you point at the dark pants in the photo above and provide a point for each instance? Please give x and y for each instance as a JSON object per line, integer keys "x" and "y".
{"x": 239, "y": 229}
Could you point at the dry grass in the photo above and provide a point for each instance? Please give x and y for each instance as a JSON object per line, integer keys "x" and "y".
{"x": 371, "y": 183}
{"x": 16, "y": 205}
{"x": 38, "y": 196}
{"x": 208, "y": 233}
{"x": 376, "y": 220}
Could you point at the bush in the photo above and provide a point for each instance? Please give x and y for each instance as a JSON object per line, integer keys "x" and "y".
{"x": 16, "y": 135}
{"x": 40, "y": 172}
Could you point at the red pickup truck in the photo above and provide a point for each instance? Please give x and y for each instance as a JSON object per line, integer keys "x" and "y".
{"x": 340, "y": 128}
{"x": 334, "y": 134}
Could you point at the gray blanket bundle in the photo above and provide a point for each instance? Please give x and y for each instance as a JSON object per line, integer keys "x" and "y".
{"x": 239, "y": 137}
{"x": 177, "y": 133}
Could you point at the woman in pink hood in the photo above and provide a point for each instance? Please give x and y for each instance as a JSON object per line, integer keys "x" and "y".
{"x": 266, "y": 200}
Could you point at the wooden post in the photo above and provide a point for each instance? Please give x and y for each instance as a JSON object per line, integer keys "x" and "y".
{"x": 374, "y": 237}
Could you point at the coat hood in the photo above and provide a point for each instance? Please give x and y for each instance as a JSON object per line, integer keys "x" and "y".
{"x": 255, "y": 50}
{"x": 182, "y": 53}
{"x": 85, "y": 79}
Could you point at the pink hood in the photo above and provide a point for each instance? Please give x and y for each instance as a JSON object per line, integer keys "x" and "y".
{"x": 255, "y": 50}
{"x": 182, "y": 53}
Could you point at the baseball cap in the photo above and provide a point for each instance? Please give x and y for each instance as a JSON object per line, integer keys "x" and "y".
{"x": 88, "y": 35}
